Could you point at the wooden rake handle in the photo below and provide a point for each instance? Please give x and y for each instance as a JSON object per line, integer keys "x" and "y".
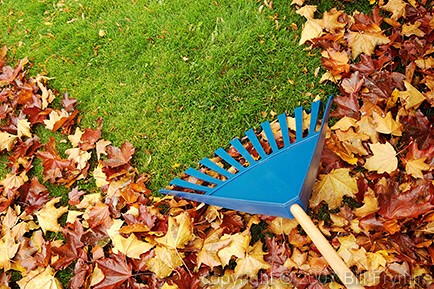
{"x": 338, "y": 265}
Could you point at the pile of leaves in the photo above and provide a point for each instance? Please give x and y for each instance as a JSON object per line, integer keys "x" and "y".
{"x": 373, "y": 199}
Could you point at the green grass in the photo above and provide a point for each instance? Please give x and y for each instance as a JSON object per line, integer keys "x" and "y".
{"x": 175, "y": 78}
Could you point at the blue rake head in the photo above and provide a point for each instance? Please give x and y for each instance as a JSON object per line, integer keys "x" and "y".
{"x": 261, "y": 176}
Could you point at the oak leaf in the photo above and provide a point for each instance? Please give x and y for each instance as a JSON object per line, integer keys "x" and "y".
{"x": 384, "y": 158}
{"x": 332, "y": 187}
{"x": 48, "y": 216}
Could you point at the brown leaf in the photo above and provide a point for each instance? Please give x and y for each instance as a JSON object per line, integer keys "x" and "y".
{"x": 116, "y": 271}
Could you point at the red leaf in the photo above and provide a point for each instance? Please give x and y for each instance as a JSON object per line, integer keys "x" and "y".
{"x": 35, "y": 195}
{"x": 54, "y": 166}
{"x": 119, "y": 156}
{"x": 409, "y": 204}
{"x": 116, "y": 271}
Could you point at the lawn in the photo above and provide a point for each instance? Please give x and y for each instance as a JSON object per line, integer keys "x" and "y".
{"x": 175, "y": 78}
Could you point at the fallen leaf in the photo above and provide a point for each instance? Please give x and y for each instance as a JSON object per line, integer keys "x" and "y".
{"x": 179, "y": 231}
{"x": 387, "y": 124}
{"x": 165, "y": 261}
{"x": 366, "y": 40}
{"x": 415, "y": 167}
{"x": 384, "y": 158}
{"x": 116, "y": 271}
{"x": 252, "y": 262}
{"x": 7, "y": 141}
{"x": 332, "y": 187}
{"x": 40, "y": 278}
{"x": 211, "y": 246}
{"x": 48, "y": 216}
{"x": 396, "y": 7}
{"x": 411, "y": 97}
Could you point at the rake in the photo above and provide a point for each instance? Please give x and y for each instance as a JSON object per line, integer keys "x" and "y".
{"x": 272, "y": 175}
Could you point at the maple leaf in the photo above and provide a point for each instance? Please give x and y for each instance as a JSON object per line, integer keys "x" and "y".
{"x": 165, "y": 261}
{"x": 332, "y": 187}
{"x": 239, "y": 244}
{"x": 116, "y": 271}
{"x": 119, "y": 156}
{"x": 12, "y": 181}
{"x": 48, "y": 216}
{"x": 252, "y": 262}
{"x": 370, "y": 204}
{"x": 411, "y": 97}
{"x": 40, "y": 278}
{"x": 35, "y": 195}
{"x": 211, "y": 245}
{"x": 396, "y": 7}
{"x": 384, "y": 158}
{"x": 365, "y": 41}
{"x": 387, "y": 124}
{"x": 56, "y": 119}
{"x": 8, "y": 249}
{"x": 313, "y": 28}
{"x": 337, "y": 62}
{"x": 7, "y": 141}
{"x": 409, "y": 29}
{"x": 415, "y": 167}
{"x": 23, "y": 128}
{"x": 179, "y": 231}
{"x": 411, "y": 203}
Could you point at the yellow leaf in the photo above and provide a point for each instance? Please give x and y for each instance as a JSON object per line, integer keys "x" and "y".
{"x": 8, "y": 249}
{"x": 367, "y": 127}
{"x": 7, "y": 141}
{"x": 280, "y": 226}
{"x": 396, "y": 7}
{"x": 252, "y": 262}
{"x": 313, "y": 28}
{"x": 387, "y": 124}
{"x": 416, "y": 166}
{"x": 332, "y": 187}
{"x": 412, "y": 97}
{"x": 307, "y": 11}
{"x": 167, "y": 286}
{"x": 132, "y": 247}
{"x": 331, "y": 21}
{"x": 165, "y": 261}
{"x": 208, "y": 253}
{"x": 48, "y": 215}
{"x": 345, "y": 123}
{"x": 40, "y": 278}
{"x": 100, "y": 177}
{"x": 75, "y": 138}
{"x": 97, "y": 275}
{"x": 425, "y": 63}
{"x": 366, "y": 41}
{"x": 179, "y": 231}
{"x": 54, "y": 117}
{"x": 409, "y": 29}
{"x": 384, "y": 158}
{"x": 12, "y": 180}
{"x": 79, "y": 157}
{"x": 23, "y": 127}
{"x": 239, "y": 243}
{"x": 370, "y": 205}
